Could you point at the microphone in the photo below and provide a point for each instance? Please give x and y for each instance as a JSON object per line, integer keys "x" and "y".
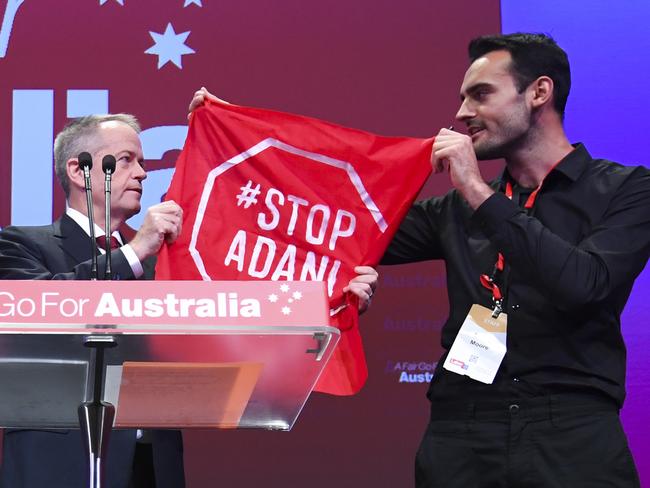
{"x": 86, "y": 164}
{"x": 108, "y": 166}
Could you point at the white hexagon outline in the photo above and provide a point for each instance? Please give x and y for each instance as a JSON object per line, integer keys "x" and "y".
{"x": 255, "y": 150}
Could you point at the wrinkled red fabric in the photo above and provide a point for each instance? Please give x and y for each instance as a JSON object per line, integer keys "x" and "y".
{"x": 275, "y": 196}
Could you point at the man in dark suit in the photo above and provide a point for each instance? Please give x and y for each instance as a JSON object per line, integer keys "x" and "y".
{"x": 34, "y": 459}
{"x": 61, "y": 251}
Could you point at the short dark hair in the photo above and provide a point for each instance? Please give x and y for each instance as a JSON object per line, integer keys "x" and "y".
{"x": 533, "y": 55}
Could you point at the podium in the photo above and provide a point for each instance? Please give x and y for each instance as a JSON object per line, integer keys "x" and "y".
{"x": 164, "y": 354}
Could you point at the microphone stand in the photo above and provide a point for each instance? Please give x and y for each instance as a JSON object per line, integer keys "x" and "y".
{"x": 86, "y": 164}
{"x": 96, "y": 416}
{"x": 108, "y": 166}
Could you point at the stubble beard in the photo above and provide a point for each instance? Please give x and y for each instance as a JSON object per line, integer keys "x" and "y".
{"x": 488, "y": 151}
{"x": 513, "y": 137}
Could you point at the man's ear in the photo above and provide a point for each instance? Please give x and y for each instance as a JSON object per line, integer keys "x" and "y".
{"x": 75, "y": 173}
{"x": 542, "y": 91}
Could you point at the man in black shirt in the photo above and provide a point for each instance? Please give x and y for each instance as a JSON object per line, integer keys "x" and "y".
{"x": 551, "y": 248}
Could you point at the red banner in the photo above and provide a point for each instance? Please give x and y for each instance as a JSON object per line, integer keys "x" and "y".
{"x": 273, "y": 196}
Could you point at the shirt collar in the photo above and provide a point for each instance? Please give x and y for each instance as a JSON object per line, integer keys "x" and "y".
{"x": 571, "y": 166}
{"x": 574, "y": 163}
{"x": 82, "y": 221}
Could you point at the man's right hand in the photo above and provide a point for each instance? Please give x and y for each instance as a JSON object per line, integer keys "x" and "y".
{"x": 162, "y": 223}
{"x": 453, "y": 152}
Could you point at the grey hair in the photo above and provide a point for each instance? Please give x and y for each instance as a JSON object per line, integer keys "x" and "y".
{"x": 74, "y": 138}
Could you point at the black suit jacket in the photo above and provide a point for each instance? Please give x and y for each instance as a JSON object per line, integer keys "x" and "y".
{"x": 35, "y": 459}
{"x": 58, "y": 251}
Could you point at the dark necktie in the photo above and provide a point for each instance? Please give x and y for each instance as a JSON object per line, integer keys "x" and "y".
{"x": 101, "y": 242}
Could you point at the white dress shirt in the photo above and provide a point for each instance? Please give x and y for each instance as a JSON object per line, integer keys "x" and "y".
{"x": 127, "y": 250}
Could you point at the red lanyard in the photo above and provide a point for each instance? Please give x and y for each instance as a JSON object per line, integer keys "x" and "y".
{"x": 531, "y": 198}
{"x": 489, "y": 281}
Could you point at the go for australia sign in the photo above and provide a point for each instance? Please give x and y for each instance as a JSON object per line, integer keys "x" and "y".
{"x": 33, "y": 305}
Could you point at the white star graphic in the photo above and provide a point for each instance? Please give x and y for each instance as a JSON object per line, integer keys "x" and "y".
{"x": 169, "y": 46}
{"x": 286, "y": 310}
{"x": 273, "y": 298}
{"x": 284, "y": 288}
{"x": 102, "y": 2}
{"x": 297, "y": 295}
{"x": 195, "y": 2}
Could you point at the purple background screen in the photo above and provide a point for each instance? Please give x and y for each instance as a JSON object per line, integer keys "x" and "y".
{"x": 385, "y": 66}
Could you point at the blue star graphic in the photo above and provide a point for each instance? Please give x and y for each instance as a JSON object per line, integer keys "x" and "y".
{"x": 102, "y": 2}
{"x": 169, "y": 46}
{"x": 195, "y": 2}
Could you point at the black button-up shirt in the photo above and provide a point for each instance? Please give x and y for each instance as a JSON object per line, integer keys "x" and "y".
{"x": 570, "y": 264}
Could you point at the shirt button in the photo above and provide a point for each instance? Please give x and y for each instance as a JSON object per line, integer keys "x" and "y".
{"x": 514, "y": 409}
{"x": 515, "y": 307}
{"x": 516, "y": 380}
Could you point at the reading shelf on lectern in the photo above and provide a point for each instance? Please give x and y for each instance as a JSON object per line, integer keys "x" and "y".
{"x": 42, "y": 385}
{"x": 44, "y": 377}
{"x": 168, "y": 394}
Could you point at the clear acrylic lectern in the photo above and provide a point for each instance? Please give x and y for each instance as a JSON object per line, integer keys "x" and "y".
{"x": 175, "y": 354}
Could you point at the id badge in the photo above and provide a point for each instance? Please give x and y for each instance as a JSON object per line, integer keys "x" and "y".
{"x": 480, "y": 345}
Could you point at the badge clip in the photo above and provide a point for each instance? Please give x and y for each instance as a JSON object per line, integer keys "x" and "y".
{"x": 497, "y": 308}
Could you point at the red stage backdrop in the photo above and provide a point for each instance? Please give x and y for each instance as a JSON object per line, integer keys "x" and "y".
{"x": 384, "y": 66}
